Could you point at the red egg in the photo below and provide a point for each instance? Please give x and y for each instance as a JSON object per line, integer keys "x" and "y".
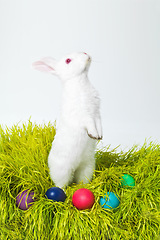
{"x": 83, "y": 199}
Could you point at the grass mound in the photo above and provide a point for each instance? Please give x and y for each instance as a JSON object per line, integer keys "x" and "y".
{"x": 23, "y": 165}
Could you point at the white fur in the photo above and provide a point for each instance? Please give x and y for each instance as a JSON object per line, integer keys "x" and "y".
{"x": 72, "y": 154}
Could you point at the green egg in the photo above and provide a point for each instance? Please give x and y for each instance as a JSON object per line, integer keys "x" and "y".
{"x": 127, "y": 181}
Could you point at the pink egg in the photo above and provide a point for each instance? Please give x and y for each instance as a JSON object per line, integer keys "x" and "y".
{"x": 83, "y": 199}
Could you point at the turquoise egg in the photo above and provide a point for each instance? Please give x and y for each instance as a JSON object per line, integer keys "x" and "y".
{"x": 110, "y": 200}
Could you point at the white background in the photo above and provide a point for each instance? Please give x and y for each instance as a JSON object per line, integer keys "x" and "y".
{"x": 123, "y": 38}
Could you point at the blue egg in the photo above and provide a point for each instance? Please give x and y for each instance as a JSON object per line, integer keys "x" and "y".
{"x": 56, "y": 194}
{"x": 110, "y": 200}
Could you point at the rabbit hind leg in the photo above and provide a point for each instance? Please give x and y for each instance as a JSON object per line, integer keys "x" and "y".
{"x": 61, "y": 176}
{"x": 84, "y": 173}
{"x": 85, "y": 170}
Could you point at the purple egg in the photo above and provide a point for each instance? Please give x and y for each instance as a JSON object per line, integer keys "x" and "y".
{"x": 25, "y": 199}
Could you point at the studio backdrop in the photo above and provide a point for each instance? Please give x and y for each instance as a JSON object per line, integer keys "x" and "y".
{"x": 123, "y": 39}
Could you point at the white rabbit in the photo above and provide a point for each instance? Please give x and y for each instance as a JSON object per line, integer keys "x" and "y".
{"x": 72, "y": 154}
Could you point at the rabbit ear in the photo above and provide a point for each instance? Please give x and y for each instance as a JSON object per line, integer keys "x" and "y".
{"x": 46, "y": 64}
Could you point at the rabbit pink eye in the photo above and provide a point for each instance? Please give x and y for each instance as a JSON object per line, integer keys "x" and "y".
{"x": 68, "y": 60}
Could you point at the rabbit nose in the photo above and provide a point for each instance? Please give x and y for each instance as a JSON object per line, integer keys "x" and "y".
{"x": 88, "y": 56}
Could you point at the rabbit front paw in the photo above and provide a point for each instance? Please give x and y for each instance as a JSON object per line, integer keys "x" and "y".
{"x": 94, "y": 131}
{"x": 95, "y": 137}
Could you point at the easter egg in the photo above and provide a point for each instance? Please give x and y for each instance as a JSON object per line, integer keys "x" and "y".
{"x": 56, "y": 194}
{"x": 127, "y": 181}
{"x": 110, "y": 200}
{"x": 83, "y": 198}
{"x": 25, "y": 199}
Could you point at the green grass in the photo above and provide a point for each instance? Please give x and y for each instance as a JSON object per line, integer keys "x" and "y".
{"x": 23, "y": 165}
